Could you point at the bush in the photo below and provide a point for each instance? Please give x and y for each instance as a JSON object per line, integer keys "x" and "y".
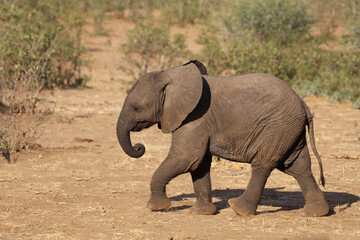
{"x": 283, "y": 20}
{"x": 22, "y": 111}
{"x": 352, "y": 39}
{"x": 141, "y": 9}
{"x": 273, "y": 37}
{"x": 40, "y": 46}
{"x": 307, "y": 68}
{"x": 136, "y": 10}
{"x": 150, "y": 48}
{"x": 182, "y": 12}
{"x": 42, "y": 32}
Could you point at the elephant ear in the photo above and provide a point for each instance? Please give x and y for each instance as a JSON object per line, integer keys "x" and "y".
{"x": 199, "y": 65}
{"x": 182, "y": 90}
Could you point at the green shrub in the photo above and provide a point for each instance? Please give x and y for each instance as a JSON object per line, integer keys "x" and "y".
{"x": 42, "y": 32}
{"x": 40, "y": 46}
{"x": 133, "y": 10}
{"x": 306, "y": 67}
{"x": 283, "y": 20}
{"x": 150, "y": 48}
{"x": 182, "y": 12}
{"x": 97, "y": 11}
{"x": 352, "y": 39}
{"x": 340, "y": 20}
{"x": 141, "y": 9}
{"x": 272, "y": 36}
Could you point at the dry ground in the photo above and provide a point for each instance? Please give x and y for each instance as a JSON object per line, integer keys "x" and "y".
{"x": 81, "y": 185}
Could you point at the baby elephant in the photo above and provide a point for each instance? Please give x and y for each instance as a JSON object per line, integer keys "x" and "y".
{"x": 255, "y": 118}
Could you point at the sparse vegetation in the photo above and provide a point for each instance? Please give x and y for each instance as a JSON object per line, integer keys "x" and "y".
{"x": 298, "y": 41}
{"x": 182, "y": 12}
{"x": 274, "y": 37}
{"x": 150, "y": 48}
{"x": 40, "y": 46}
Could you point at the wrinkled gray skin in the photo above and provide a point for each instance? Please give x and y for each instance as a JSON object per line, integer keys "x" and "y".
{"x": 255, "y": 118}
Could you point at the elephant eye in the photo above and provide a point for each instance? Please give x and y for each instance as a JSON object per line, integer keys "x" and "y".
{"x": 136, "y": 108}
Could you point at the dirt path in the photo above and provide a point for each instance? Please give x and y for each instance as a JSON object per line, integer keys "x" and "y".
{"x": 82, "y": 186}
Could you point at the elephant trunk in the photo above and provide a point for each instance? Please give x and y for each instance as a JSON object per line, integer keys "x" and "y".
{"x": 123, "y": 136}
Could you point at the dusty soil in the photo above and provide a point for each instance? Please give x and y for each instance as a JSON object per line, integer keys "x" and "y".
{"x": 81, "y": 185}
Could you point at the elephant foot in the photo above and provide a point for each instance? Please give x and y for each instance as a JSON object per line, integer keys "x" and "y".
{"x": 203, "y": 208}
{"x": 316, "y": 208}
{"x": 242, "y": 207}
{"x": 158, "y": 203}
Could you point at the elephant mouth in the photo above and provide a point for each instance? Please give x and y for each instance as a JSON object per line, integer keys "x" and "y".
{"x": 140, "y": 126}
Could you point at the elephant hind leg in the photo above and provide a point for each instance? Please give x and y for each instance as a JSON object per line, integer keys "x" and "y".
{"x": 247, "y": 203}
{"x": 315, "y": 203}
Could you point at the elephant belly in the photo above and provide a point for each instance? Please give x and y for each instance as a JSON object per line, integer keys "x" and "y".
{"x": 230, "y": 149}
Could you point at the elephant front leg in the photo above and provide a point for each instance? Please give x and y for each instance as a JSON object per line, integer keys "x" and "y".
{"x": 167, "y": 170}
{"x": 202, "y": 187}
{"x": 184, "y": 155}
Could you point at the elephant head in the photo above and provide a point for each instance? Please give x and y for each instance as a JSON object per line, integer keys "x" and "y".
{"x": 164, "y": 97}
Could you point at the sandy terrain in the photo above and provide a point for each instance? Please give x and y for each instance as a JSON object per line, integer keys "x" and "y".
{"x": 81, "y": 185}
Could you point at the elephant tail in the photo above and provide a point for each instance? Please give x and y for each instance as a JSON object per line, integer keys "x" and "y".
{"x": 312, "y": 143}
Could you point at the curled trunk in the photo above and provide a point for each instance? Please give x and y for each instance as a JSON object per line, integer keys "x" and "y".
{"x": 123, "y": 136}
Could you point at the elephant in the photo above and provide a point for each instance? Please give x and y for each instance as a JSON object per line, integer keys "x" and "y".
{"x": 253, "y": 118}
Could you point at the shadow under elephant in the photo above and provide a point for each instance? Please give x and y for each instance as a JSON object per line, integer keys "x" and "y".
{"x": 284, "y": 200}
